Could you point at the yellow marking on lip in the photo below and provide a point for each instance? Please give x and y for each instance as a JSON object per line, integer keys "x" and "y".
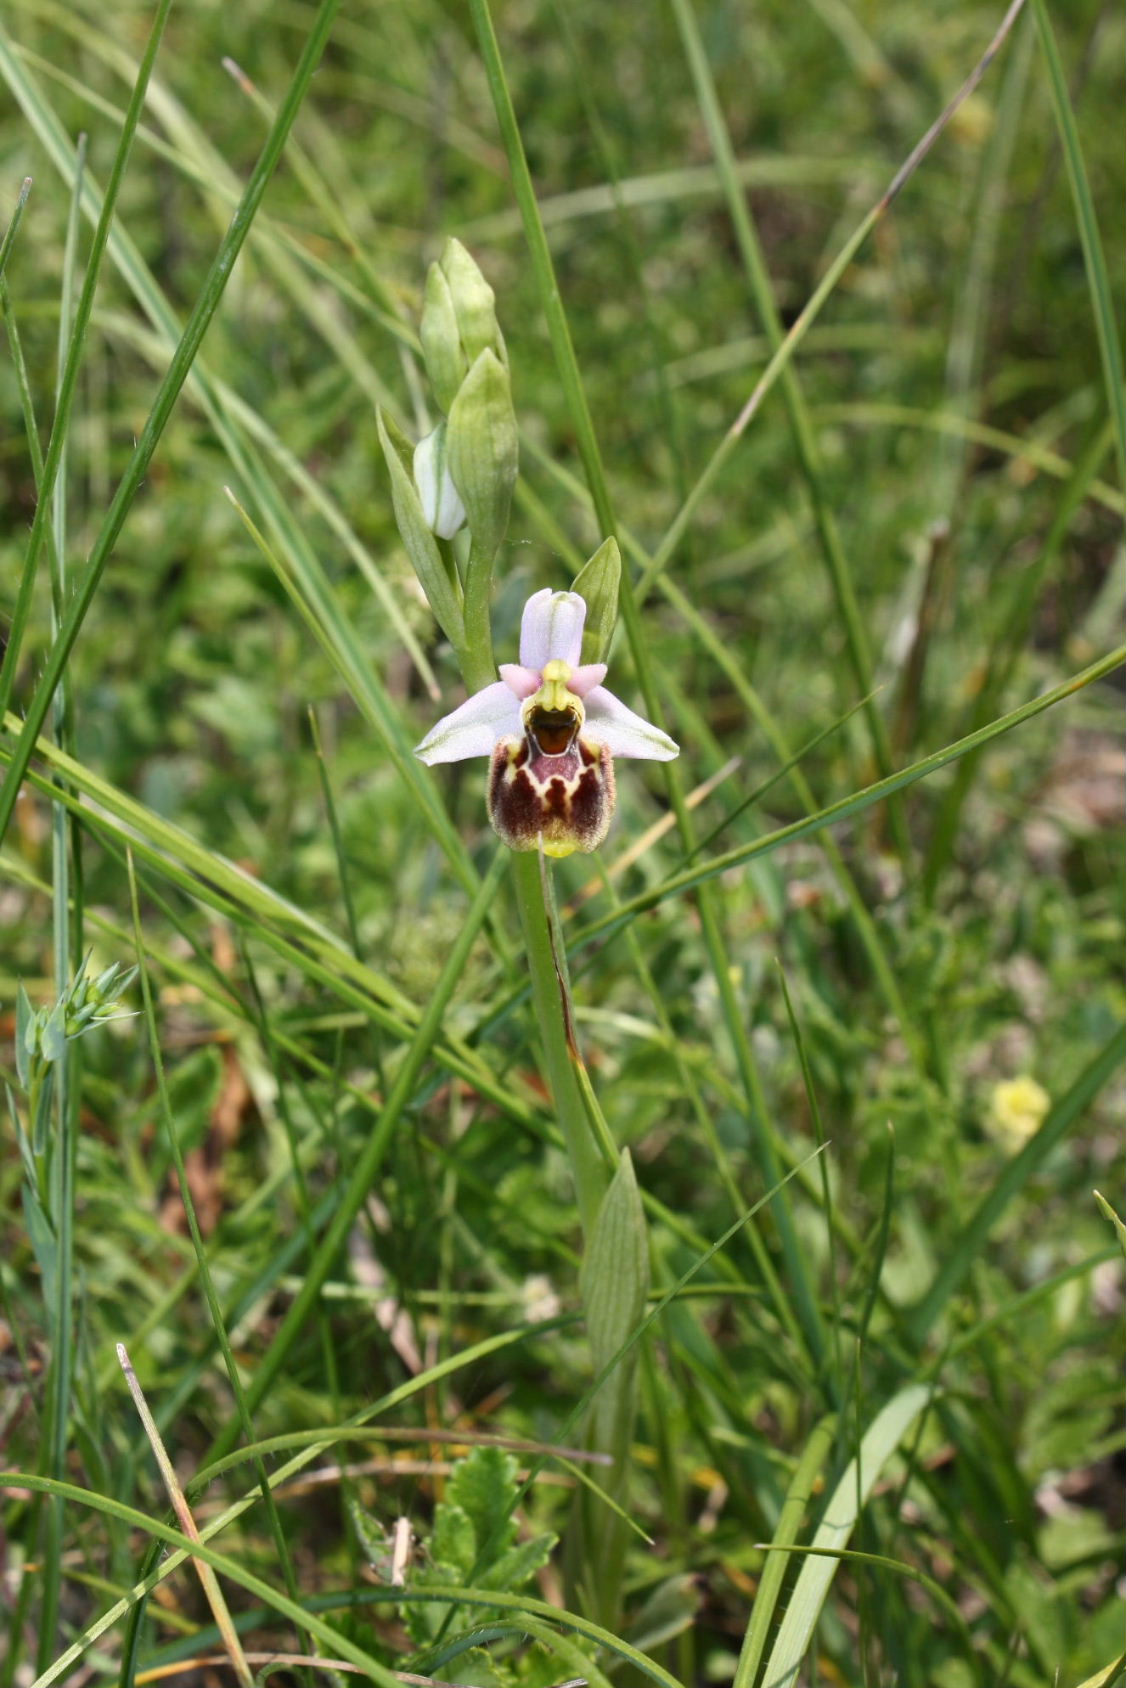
{"x": 554, "y": 696}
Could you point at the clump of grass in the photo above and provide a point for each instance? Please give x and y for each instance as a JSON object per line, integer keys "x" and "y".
{"x": 845, "y": 983}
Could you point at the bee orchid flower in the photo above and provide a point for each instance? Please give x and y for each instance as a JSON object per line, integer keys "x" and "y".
{"x": 552, "y": 731}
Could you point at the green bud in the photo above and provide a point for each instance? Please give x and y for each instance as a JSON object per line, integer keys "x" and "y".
{"x": 597, "y": 584}
{"x": 459, "y": 322}
{"x": 474, "y": 303}
{"x": 482, "y": 450}
{"x": 446, "y": 362}
{"x": 442, "y": 595}
{"x": 441, "y": 506}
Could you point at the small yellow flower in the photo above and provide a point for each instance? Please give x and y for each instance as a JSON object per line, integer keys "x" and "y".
{"x": 1016, "y": 1110}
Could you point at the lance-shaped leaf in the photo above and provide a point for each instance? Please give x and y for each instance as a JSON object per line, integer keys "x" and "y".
{"x": 443, "y": 596}
{"x": 615, "y": 1289}
{"x": 597, "y": 583}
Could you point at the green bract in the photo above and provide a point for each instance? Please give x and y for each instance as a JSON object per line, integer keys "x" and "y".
{"x": 482, "y": 450}
{"x": 443, "y": 592}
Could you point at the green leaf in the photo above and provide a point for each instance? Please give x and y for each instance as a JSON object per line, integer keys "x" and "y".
{"x": 882, "y": 1438}
{"x": 474, "y": 304}
{"x": 52, "y": 1034}
{"x": 615, "y": 1288}
{"x": 597, "y": 583}
{"x": 44, "y": 1243}
{"x": 513, "y": 1568}
{"x": 475, "y": 1669}
{"x": 454, "y": 1541}
{"x": 669, "y": 1610}
{"x": 1108, "y": 1213}
{"x": 483, "y": 1485}
{"x": 422, "y": 548}
{"x": 27, "y": 1158}
{"x": 27, "y": 1036}
{"x": 809, "y": 1467}
{"x": 1108, "y": 1677}
{"x": 371, "y": 1536}
{"x": 615, "y": 1273}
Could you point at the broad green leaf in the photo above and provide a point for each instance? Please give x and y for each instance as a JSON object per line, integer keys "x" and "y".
{"x": 484, "y": 1486}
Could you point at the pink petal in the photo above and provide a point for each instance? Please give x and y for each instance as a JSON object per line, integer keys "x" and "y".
{"x": 584, "y": 680}
{"x": 552, "y": 627}
{"x": 522, "y": 682}
{"x": 475, "y": 728}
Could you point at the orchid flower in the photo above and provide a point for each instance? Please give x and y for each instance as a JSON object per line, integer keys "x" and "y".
{"x": 552, "y": 730}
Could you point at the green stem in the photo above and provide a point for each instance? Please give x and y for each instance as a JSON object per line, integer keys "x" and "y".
{"x": 549, "y": 1005}
{"x": 477, "y": 654}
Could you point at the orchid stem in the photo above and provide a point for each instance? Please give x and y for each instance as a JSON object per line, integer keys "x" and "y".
{"x": 550, "y": 1004}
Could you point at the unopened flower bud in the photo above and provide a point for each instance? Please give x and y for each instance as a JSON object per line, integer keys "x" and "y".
{"x": 483, "y": 450}
{"x": 474, "y": 303}
{"x": 446, "y": 363}
{"x": 459, "y": 322}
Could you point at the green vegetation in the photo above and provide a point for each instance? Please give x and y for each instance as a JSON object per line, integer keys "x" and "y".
{"x": 822, "y": 1384}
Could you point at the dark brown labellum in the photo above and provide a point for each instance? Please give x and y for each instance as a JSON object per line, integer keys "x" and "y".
{"x": 564, "y": 797}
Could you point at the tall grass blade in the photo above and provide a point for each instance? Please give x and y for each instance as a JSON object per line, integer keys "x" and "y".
{"x": 881, "y": 1440}
{"x": 205, "y": 307}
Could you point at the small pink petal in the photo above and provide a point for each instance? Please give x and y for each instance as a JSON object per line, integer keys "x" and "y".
{"x": 521, "y": 681}
{"x": 552, "y": 627}
{"x": 584, "y": 680}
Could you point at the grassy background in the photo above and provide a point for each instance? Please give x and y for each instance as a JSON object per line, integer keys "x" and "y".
{"x": 965, "y": 459}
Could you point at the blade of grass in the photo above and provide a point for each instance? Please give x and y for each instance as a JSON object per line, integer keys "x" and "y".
{"x": 363, "y": 1174}
{"x": 205, "y": 307}
{"x": 805, "y": 443}
{"x": 220, "y": 1611}
{"x": 218, "y": 1327}
{"x": 881, "y": 1440}
{"x": 1110, "y": 351}
{"x": 813, "y": 307}
{"x": 818, "y": 1446}
{"x": 64, "y": 853}
{"x": 571, "y": 382}
{"x": 958, "y": 1259}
